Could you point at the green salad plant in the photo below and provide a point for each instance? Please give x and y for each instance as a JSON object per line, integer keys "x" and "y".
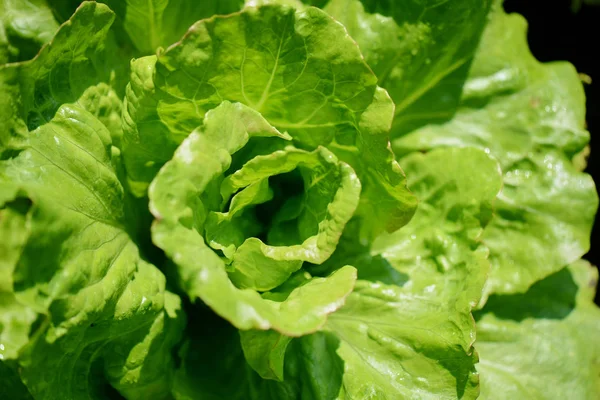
{"x": 278, "y": 200}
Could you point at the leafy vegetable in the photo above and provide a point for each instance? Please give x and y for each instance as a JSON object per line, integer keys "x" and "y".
{"x": 103, "y": 312}
{"x": 544, "y": 335}
{"x": 205, "y": 200}
{"x": 164, "y": 22}
{"x": 24, "y": 28}
{"x": 530, "y": 116}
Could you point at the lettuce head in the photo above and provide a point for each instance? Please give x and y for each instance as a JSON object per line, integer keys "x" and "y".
{"x": 284, "y": 199}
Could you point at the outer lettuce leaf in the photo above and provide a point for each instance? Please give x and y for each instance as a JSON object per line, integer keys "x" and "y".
{"x": 183, "y": 197}
{"x": 543, "y": 343}
{"x": 159, "y": 23}
{"x": 32, "y": 91}
{"x": 78, "y": 303}
{"x": 455, "y": 207}
{"x": 281, "y": 63}
{"x": 413, "y": 46}
{"x": 97, "y": 303}
{"x": 144, "y": 26}
{"x": 147, "y": 142}
{"x": 25, "y": 26}
{"x": 146, "y": 371}
{"x": 275, "y": 60}
{"x": 27, "y": 91}
{"x": 530, "y": 116}
{"x": 15, "y": 319}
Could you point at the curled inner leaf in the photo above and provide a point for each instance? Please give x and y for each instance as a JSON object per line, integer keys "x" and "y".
{"x": 208, "y": 220}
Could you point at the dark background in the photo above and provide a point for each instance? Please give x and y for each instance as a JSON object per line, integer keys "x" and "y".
{"x": 559, "y": 32}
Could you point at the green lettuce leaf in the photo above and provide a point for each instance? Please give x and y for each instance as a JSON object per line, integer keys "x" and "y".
{"x": 159, "y": 23}
{"x": 73, "y": 265}
{"x": 543, "y": 343}
{"x": 530, "y": 116}
{"x": 73, "y": 281}
{"x": 299, "y": 81}
{"x": 32, "y": 91}
{"x": 15, "y": 318}
{"x": 142, "y": 27}
{"x": 412, "y": 47}
{"x": 26, "y": 93}
{"x": 25, "y": 26}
